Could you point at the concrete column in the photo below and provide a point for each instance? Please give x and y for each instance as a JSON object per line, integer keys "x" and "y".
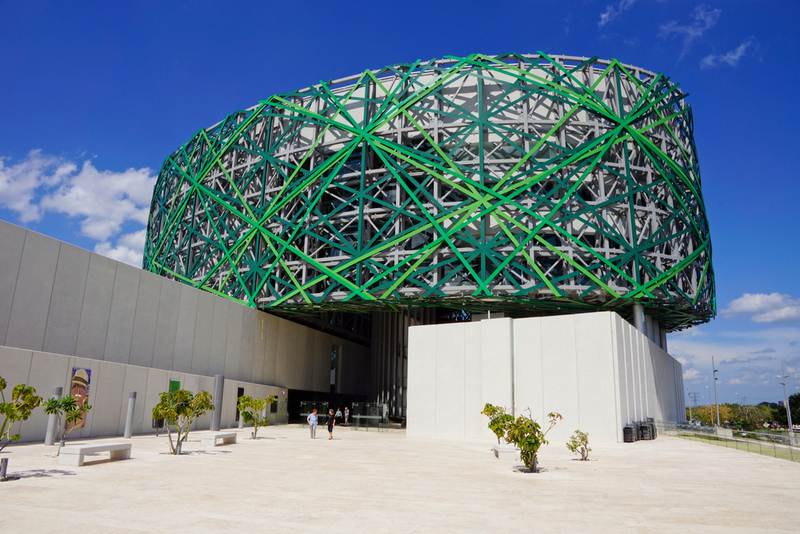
{"x": 129, "y": 417}
{"x": 648, "y": 325}
{"x": 513, "y": 386}
{"x": 664, "y": 340}
{"x": 52, "y": 420}
{"x": 216, "y": 415}
{"x": 656, "y": 333}
{"x": 638, "y": 318}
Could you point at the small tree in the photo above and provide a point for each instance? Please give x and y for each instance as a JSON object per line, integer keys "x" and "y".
{"x": 579, "y": 444}
{"x": 251, "y": 410}
{"x": 181, "y": 408}
{"x": 706, "y": 413}
{"x": 23, "y": 400}
{"x": 749, "y": 417}
{"x": 68, "y": 411}
{"x": 527, "y": 435}
{"x": 498, "y": 419}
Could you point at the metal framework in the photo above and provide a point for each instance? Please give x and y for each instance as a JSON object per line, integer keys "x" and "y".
{"x": 535, "y": 183}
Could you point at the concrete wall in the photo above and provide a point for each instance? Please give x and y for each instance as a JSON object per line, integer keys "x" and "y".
{"x": 63, "y": 307}
{"x": 111, "y": 384}
{"x": 60, "y": 299}
{"x": 595, "y": 369}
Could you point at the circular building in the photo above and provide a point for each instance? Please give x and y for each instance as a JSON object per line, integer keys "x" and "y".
{"x": 525, "y": 184}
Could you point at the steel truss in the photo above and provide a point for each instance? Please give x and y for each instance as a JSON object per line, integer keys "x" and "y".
{"x": 544, "y": 184}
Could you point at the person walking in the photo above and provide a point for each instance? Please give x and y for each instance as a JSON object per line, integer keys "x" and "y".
{"x": 346, "y": 416}
{"x": 312, "y": 423}
{"x": 338, "y": 416}
{"x": 331, "y": 423}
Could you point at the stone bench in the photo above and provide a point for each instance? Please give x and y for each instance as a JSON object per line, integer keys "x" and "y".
{"x": 506, "y": 452}
{"x": 211, "y": 440}
{"x": 73, "y": 455}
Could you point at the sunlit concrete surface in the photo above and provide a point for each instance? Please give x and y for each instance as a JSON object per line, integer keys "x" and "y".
{"x": 389, "y": 482}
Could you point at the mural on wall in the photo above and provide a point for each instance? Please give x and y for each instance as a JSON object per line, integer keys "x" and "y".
{"x": 79, "y": 388}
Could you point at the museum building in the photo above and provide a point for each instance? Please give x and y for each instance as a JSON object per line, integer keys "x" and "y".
{"x": 521, "y": 229}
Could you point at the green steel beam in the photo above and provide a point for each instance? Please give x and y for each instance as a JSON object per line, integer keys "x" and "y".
{"x": 530, "y": 183}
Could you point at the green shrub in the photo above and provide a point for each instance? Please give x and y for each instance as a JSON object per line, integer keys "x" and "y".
{"x": 181, "y": 408}
{"x": 251, "y": 411}
{"x": 579, "y": 444}
{"x": 498, "y": 419}
{"x": 23, "y": 400}
{"x": 527, "y": 435}
{"x": 69, "y": 409}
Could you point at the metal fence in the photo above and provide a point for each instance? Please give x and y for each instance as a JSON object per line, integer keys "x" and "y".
{"x": 773, "y": 445}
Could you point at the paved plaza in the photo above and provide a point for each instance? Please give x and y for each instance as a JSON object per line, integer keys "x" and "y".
{"x": 388, "y": 482}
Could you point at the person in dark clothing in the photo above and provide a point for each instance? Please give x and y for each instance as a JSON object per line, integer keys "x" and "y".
{"x": 331, "y": 423}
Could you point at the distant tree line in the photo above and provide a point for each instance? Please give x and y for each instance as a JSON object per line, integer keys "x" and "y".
{"x": 749, "y": 417}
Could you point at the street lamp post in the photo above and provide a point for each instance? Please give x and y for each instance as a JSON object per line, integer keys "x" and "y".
{"x": 784, "y": 376}
{"x": 690, "y": 406}
{"x": 710, "y": 410}
{"x": 716, "y": 399}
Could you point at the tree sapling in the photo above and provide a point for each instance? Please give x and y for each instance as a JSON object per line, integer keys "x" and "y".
{"x": 23, "y": 400}
{"x": 181, "y": 408}
{"x": 252, "y": 411}
{"x": 579, "y": 444}
{"x": 70, "y": 410}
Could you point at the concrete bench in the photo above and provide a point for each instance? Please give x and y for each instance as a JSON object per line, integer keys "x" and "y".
{"x": 73, "y": 455}
{"x": 506, "y": 452}
{"x": 210, "y": 440}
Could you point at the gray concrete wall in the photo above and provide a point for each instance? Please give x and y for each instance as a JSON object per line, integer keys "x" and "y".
{"x": 595, "y": 369}
{"x": 110, "y": 387}
{"x": 56, "y": 298}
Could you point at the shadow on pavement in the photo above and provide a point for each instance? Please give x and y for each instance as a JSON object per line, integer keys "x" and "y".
{"x": 40, "y": 473}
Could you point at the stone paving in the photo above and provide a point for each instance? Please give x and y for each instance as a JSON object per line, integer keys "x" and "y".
{"x": 389, "y": 482}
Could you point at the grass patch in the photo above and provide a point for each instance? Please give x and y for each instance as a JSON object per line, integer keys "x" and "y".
{"x": 759, "y": 447}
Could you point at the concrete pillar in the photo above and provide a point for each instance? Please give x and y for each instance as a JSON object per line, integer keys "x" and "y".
{"x": 216, "y": 415}
{"x": 656, "y": 333}
{"x": 648, "y": 325}
{"x": 52, "y": 420}
{"x": 664, "y": 340}
{"x": 129, "y": 417}
{"x": 638, "y": 318}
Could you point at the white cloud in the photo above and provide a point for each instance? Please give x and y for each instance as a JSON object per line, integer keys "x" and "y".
{"x": 736, "y": 381}
{"x": 19, "y": 183}
{"x": 747, "y": 359}
{"x": 694, "y": 331}
{"x": 103, "y": 201}
{"x": 704, "y": 19}
{"x": 129, "y": 248}
{"x": 731, "y": 58}
{"x": 693, "y": 375}
{"x": 613, "y": 11}
{"x": 765, "y": 308}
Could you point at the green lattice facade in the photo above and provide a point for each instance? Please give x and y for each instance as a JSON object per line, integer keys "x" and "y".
{"x": 531, "y": 183}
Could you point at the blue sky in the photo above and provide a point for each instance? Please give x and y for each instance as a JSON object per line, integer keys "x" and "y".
{"x": 94, "y": 96}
